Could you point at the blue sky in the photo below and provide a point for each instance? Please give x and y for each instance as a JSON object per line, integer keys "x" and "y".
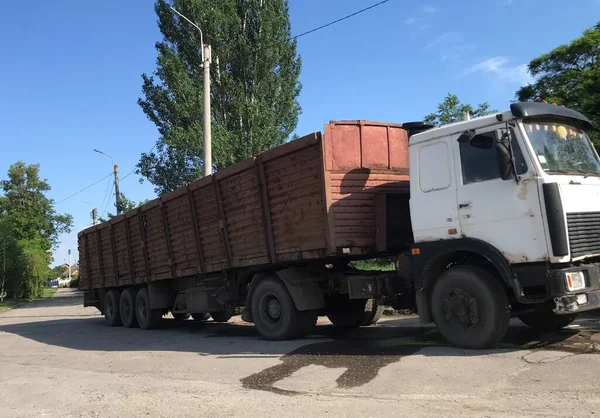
{"x": 70, "y": 74}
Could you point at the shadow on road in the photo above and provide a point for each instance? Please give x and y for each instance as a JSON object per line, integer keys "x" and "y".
{"x": 362, "y": 352}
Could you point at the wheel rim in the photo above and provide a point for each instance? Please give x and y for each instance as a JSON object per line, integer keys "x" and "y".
{"x": 461, "y": 310}
{"x": 126, "y": 308}
{"x": 110, "y": 308}
{"x": 271, "y": 308}
{"x": 142, "y": 309}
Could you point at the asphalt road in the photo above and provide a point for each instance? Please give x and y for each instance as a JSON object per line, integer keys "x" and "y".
{"x": 57, "y": 359}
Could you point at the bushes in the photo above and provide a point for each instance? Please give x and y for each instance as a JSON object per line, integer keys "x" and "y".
{"x": 74, "y": 283}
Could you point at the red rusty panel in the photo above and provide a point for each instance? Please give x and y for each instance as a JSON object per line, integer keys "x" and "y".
{"x": 398, "y": 149}
{"x": 345, "y": 144}
{"x": 374, "y": 146}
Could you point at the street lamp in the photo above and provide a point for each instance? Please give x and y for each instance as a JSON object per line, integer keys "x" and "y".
{"x": 206, "y": 60}
{"x": 116, "y": 172}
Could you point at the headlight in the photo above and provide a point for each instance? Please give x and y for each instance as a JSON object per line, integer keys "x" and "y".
{"x": 575, "y": 281}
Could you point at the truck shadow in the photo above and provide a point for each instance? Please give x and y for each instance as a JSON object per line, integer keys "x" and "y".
{"x": 361, "y": 352}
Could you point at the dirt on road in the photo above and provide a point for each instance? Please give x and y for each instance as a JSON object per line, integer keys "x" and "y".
{"x": 58, "y": 359}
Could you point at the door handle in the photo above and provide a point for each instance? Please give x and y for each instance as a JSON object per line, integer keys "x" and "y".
{"x": 464, "y": 205}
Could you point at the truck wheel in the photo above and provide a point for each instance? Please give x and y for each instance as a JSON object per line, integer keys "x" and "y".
{"x": 470, "y": 307}
{"x": 373, "y": 312}
{"x": 199, "y": 317}
{"x": 223, "y": 316}
{"x": 346, "y": 313}
{"x": 112, "y": 315}
{"x": 127, "y": 308}
{"x": 147, "y": 318}
{"x": 274, "y": 312}
{"x": 182, "y": 316}
{"x": 547, "y": 321}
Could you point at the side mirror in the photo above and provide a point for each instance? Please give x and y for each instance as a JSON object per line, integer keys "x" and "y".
{"x": 476, "y": 141}
{"x": 503, "y": 159}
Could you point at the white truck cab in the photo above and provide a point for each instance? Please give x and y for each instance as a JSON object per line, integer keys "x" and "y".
{"x": 512, "y": 198}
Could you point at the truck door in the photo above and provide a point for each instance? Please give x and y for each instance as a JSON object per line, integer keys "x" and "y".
{"x": 503, "y": 213}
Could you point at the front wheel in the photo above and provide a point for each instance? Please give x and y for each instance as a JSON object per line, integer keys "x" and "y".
{"x": 547, "y": 321}
{"x": 470, "y": 307}
{"x": 373, "y": 312}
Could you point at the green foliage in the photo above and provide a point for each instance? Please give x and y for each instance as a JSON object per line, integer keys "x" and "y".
{"x": 570, "y": 75}
{"x": 452, "y": 110}
{"x": 29, "y": 228}
{"x": 254, "y": 86}
{"x": 126, "y": 205}
{"x": 375, "y": 264}
{"x": 74, "y": 283}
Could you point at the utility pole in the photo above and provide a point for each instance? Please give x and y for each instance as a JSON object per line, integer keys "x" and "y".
{"x": 116, "y": 172}
{"x": 117, "y": 192}
{"x": 207, "y": 116}
{"x": 94, "y": 216}
{"x": 69, "y": 264}
{"x": 206, "y": 61}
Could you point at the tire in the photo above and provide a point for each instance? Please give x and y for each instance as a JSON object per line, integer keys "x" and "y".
{"x": 181, "y": 316}
{"x": 547, "y": 321}
{"x": 223, "y": 316}
{"x": 147, "y": 318}
{"x": 470, "y": 308}
{"x": 127, "y": 308}
{"x": 373, "y": 312}
{"x": 112, "y": 314}
{"x": 274, "y": 312}
{"x": 346, "y": 313}
{"x": 200, "y": 317}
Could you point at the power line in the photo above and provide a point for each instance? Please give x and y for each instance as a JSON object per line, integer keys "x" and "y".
{"x": 84, "y": 189}
{"x": 339, "y": 20}
{"x": 107, "y": 202}
{"x": 135, "y": 168}
{"x": 106, "y": 195}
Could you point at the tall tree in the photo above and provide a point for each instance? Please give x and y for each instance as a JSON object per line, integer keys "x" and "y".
{"x": 254, "y": 86}
{"x": 452, "y": 110}
{"x": 570, "y": 75}
{"x": 125, "y": 206}
{"x": 28, "y": 211}
{"x": 30, "y": 221}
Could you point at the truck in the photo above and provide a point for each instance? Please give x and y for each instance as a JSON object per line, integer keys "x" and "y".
{"x": 486, "y": 219}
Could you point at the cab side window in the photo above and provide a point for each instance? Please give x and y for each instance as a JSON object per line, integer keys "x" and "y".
{"x": 481, "y": 164}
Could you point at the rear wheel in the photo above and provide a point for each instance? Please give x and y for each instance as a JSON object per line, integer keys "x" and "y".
{"x": 373, "y": 312}
{"x": 181, "y": 316}
{"x": 547, "y": 321}
{"x": 470, "y": 307}
{"x": 275, "y": 314}
{"x": 127, "y": 308}
{"x": 112, "y": 315}
{"x": 147, "y": 318}
{"x": 346, "y": 313}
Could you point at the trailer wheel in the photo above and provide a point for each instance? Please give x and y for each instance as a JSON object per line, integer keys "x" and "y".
{"x": 127, "y": 308}
{"x": 200, "y": 317}
{"x": 470, "y": 307}
{"x": 346, "y": 313}
{"x": 223, "y": 316}
{"x": 274, "y": 312}
{"x": 373, "y": 312}
{"x": 112, "y": 315}
{"x": 147, "y": 318}
{"x": 182, "y": 316}
{"x": 547, "y": 321}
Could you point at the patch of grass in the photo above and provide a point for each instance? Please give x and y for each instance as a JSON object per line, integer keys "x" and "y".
{"x": 47, "y": 293}
{"x": 377, "y": 264}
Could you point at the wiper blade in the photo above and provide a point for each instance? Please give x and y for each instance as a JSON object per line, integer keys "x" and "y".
{"x": 573, "y": 171}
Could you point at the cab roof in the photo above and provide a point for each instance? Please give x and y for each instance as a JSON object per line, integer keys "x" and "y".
{"x": 517, "y": 111}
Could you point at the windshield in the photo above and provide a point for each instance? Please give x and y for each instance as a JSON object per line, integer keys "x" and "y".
{"x": 562, "y": 149}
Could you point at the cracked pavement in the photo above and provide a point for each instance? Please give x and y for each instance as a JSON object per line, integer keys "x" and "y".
{"x": 57, "y": 359}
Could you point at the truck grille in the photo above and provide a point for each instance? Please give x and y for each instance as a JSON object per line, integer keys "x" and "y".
{"x": 584, "y": 233}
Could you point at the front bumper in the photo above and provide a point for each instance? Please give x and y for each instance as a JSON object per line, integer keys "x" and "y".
{"x": 566, "y": 301}
{"x": 541, "y": 283}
